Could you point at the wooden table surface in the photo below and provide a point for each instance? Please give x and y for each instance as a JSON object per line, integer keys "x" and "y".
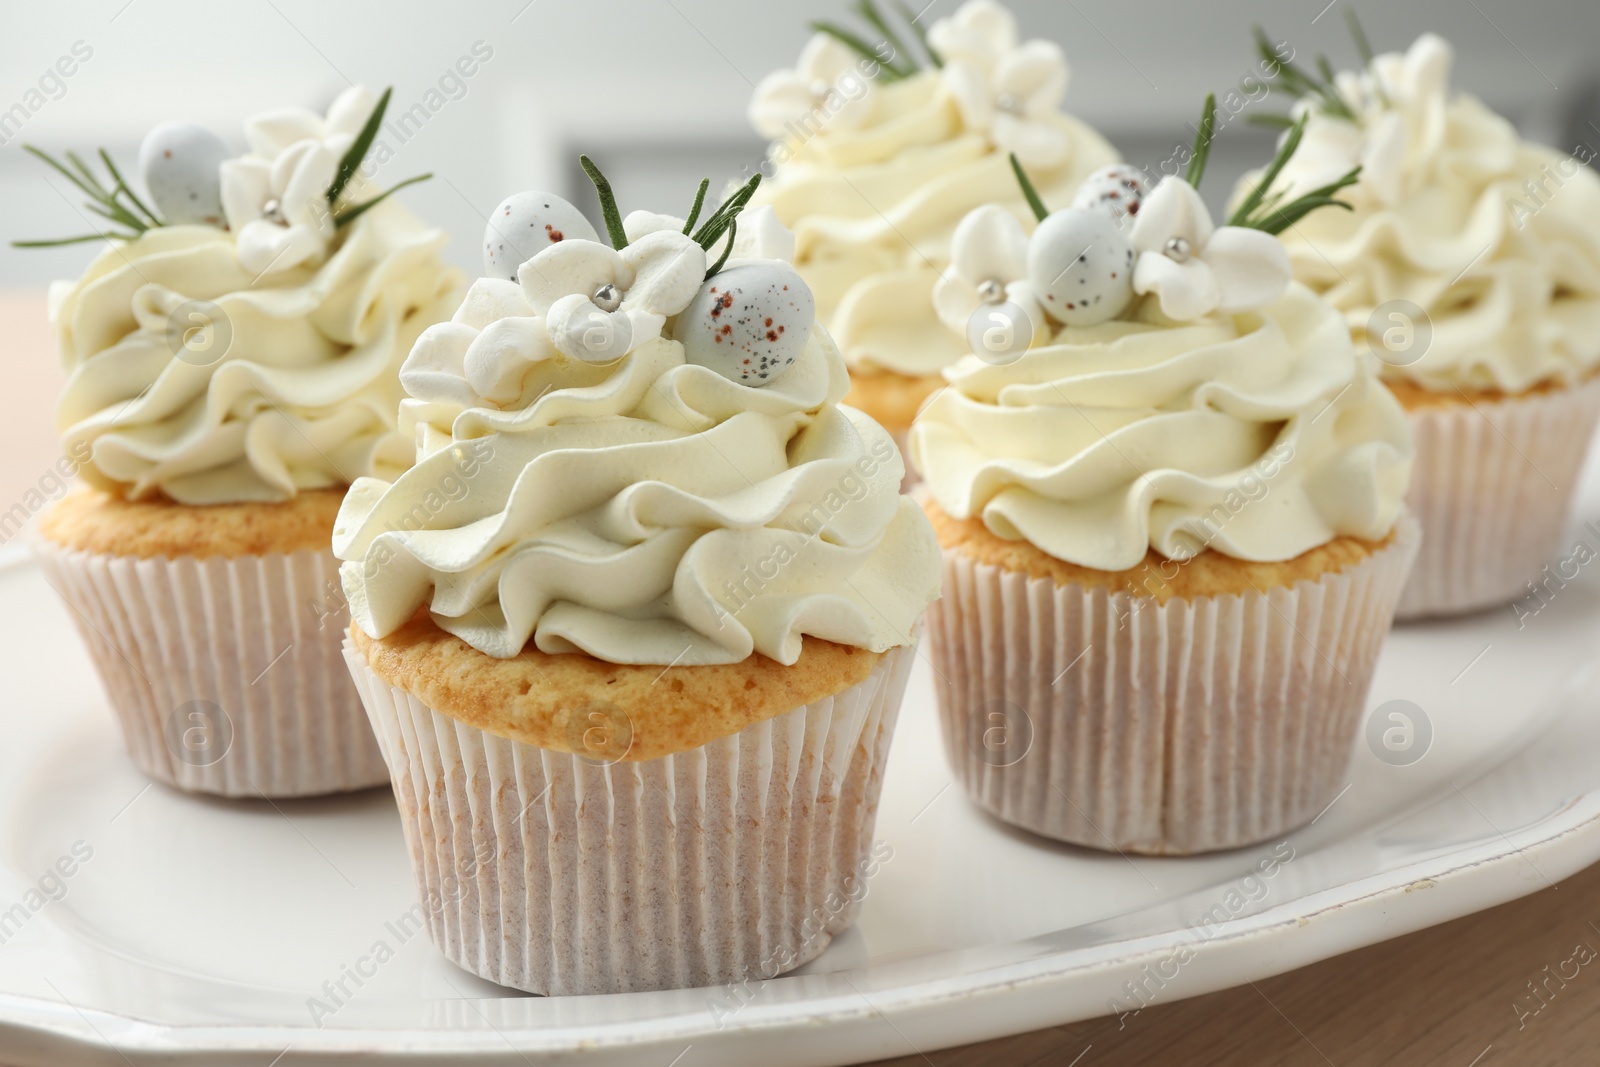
{"x": 1482, "y": 991}
{"x": 1451, "y": 995}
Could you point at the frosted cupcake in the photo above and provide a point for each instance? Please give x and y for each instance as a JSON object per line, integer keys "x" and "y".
{"x": 881, "y": 146}
{"x": 232, "y": 364}
{"x": 1173, "y": 535}
{"x": 1470, "y": 266}
{"x": 647, "y": 666}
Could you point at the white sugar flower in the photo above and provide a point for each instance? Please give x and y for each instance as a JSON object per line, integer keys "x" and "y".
{"x": 827, "y": 87}
{"x": 1399, "y": 103}
{"x": 988, "y": 264}
{"x": 275, "y": 198}
{"x": 1196, "y": 268}
{"x": 600, "y": 304}
{"x": 1006, "y": 89}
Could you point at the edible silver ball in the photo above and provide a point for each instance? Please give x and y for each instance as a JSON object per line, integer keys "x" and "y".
{"x": 1008, "y": 103}
{"x": 607, "y": 297}
{"x": 990, "y": 291}
{"x": 1177, "y": 249}
{"x": 272, "y": 211}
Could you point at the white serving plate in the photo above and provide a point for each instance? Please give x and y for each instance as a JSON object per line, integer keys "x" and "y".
{"x": 199, "y": 929}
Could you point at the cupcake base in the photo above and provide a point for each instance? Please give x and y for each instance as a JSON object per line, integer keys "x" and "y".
{"x": 1492, "y": 484}
{"x": 224, "y": 672}
{"x": 1117, "y": 722}
{"x": 559, "y": 873}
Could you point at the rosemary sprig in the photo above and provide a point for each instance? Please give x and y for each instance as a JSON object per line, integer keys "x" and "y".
{"x": 1276, "y": 122}
{"x": 1029, "y": 193}
{"x": 733, "y": 234}
{"x": 922, "y": 35}
{"x": 103, "y": 201}
{"x": 349, "y": 215}
{"x": 350, "y": 165}
{"x": 1261, "y": 211}
{"x": 699, "y": 202}
{"x": 1364, "y": 50}
{"x": 904, "y": 62}
{"x": 357, "y": 152}
{"x": 1299, "y": 83}
{"x": 1202, "y": 141}
{"x": 608, "y": 203}
{"x": 722, "y": 218}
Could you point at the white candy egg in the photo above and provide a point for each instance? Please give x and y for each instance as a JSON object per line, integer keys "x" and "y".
{"x": 524, "y": 225}
{"x": 1081, "y": 266}
{"x": 749, "y": 322}
{"x": 181, "y": 164}
{"x": 1116, "y": 191}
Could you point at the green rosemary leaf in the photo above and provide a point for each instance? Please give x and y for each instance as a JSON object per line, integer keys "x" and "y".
{"x": 357, "y": 152}
{"x": 83, "y": 239}
{"x": 608, "y": 203}
{"x": 349, "y": 215}
{"x": 1290, "y": 214}
{"x": 1290, "y": 144}
{"x": 1350, "y": 177}
{"x": 55, "y": 164}
{"x": 111, "y": 209}
{"x": 870, "y": 12}
{"x": 733, "y": 232}
{"x": 99, "y": 192}
{"x": 1363, "y": 46}
{"x": 887, "y": 71}
{"x": 1202, "y": 141}
{"x": 699, "y": 202}
{"x": 1029, "y": 193}
{"x": 922, "y": 35}
{"x": 122, "y": 186}
{"x": 1277, "y": 122}
{"x": 713, "y": 228}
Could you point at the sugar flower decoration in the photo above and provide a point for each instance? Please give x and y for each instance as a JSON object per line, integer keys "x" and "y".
{"x": 988, "y": 265}
{"x": 1392, "y": 110}
{"x": 826, "y": 87}
{"x": 275, "y": 198}
{"x": 600, "y": 304}
{"x": 1006, "y": 89}
{"x": 1195, "y": 267}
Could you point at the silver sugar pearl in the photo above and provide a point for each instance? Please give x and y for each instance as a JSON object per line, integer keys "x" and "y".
{"x": 1177, "y": 249}
{"x": 272, "y": 211}
{"x": 990, "y": 291}
{"x": 1009, "y": 104}
{"x": 607, "y": 297}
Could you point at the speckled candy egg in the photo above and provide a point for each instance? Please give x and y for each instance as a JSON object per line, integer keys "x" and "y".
{"x": 181, "y": 164}
{"x": 749, "y": 322}
{"x": 1081, "y": 266}
{"x": 1116, "y": 191}
{"x": 524, "y": 225}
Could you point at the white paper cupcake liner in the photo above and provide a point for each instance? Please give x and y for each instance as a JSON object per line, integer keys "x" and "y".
{"x": 1492, "y": 486}
{"x": 1118, "y": 723}
{"x": 225, "y": 674}
{"x": 558, "y": 874}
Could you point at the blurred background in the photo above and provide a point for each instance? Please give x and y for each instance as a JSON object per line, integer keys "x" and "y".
{"x": 655, "y": 90}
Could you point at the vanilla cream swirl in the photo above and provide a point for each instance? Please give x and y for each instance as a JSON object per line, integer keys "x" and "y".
{"x": 1260, "y": 435}
{"x": 648, "y": 510}
{"x": 1495, "y": 239}
{"x": 293, "y": 381}
{"x": 874, "y": 208}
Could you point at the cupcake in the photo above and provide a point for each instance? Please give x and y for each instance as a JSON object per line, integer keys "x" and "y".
{"x": 232, "y": 365}
{"x": 1172, "y": 533}
{"x": 645, "y": 666}
{"x": 1470, "y": 265}
{"x": 883, "y": 140}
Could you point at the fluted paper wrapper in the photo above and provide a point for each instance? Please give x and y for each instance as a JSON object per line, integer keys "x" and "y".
{"x": 1091, "y": 717}
{"x": 559, "y": 874}
{"x": 225, "y": 674}
{"x": 1492, "y": 486}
